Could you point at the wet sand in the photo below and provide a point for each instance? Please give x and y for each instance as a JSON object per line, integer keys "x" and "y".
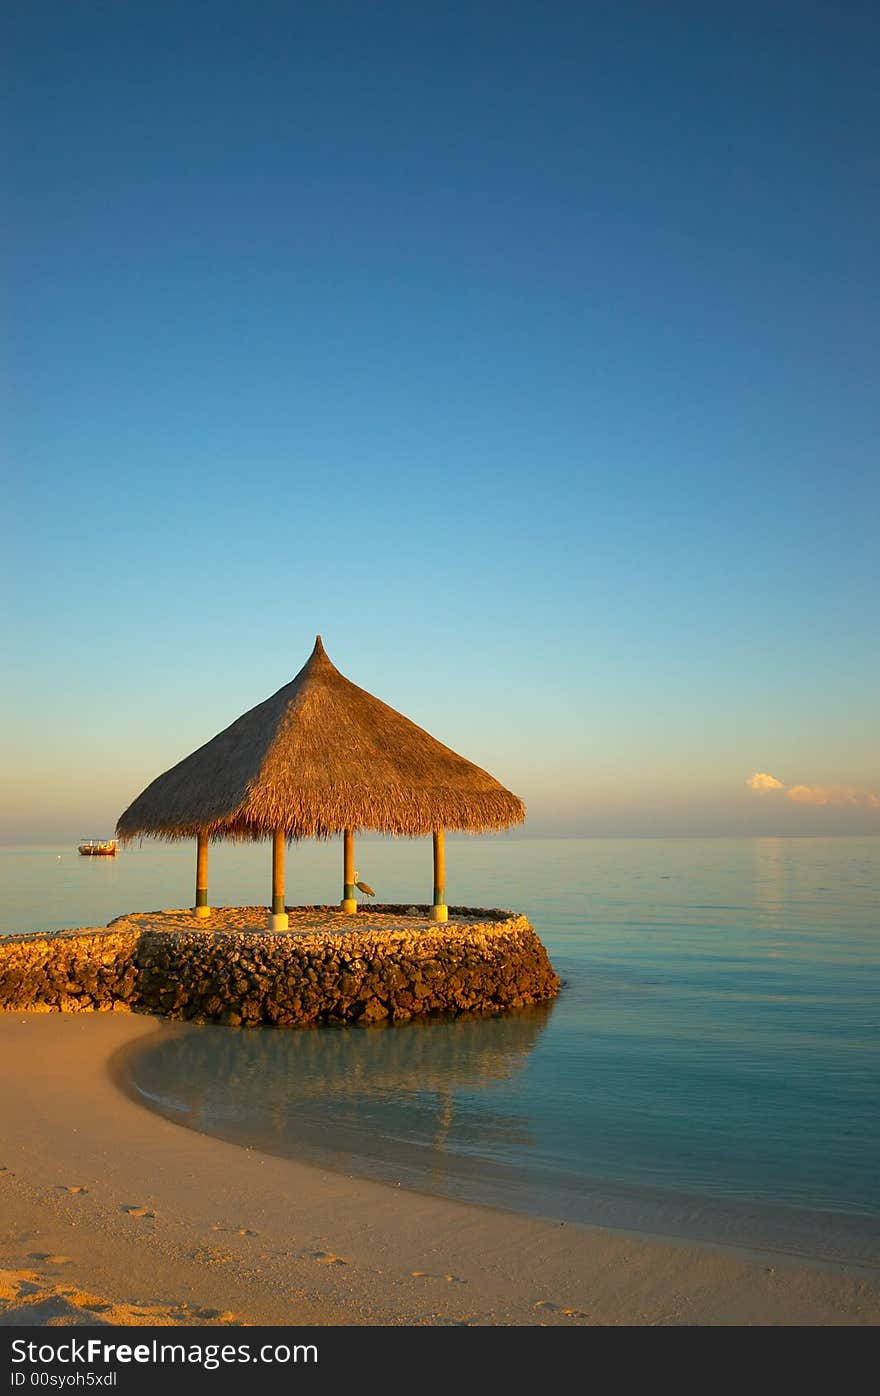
{"x": 111, "y": 1214}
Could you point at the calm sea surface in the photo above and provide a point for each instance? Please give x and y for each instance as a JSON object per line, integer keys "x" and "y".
{"x": 709, "y": 1070}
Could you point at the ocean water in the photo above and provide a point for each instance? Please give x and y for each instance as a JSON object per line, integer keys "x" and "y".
{"x": 711, "y": 1068}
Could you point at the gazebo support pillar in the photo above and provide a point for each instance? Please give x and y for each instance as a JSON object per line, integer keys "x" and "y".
{"x": 278, "y": 916}
{"x": 201, "y": 907}
{"x": 439, "y": 911}
{"x": 348, "y": 903}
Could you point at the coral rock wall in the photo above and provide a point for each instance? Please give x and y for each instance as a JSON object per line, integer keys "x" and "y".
{"x": 396, "y": 965}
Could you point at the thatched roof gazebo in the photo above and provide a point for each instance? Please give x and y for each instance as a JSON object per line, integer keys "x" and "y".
{"x": 318, "y": 758}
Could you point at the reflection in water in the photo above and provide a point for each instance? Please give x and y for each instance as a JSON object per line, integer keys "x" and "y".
{"x": 769, "y": 882}
{"x": 344, "y": 1095}
{"x": 446, "y": 1107}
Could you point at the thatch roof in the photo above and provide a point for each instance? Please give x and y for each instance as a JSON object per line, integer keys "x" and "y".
{"x": 321, "y": 755}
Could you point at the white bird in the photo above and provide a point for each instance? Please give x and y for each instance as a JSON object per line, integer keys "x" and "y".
{"x": 363, "y": 886}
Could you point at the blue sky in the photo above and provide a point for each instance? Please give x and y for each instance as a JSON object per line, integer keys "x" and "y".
{"x": 527, "y": 351}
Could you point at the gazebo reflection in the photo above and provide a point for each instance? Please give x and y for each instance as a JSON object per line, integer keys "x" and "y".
{"x": 340, "y": 1094}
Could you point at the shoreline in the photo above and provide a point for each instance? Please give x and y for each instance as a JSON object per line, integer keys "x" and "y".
{"x": 759, "y": 1230}
{"x": 111, "y": 1213}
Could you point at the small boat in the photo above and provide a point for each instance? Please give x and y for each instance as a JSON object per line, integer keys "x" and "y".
{"x": 99, "y": 848}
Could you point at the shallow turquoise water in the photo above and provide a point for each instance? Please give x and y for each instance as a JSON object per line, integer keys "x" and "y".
{"x": 710, "y": 1068}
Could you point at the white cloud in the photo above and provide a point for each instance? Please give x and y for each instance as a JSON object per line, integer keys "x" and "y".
{"x": 762, "y": 782}
{"x": 833, "y": 795}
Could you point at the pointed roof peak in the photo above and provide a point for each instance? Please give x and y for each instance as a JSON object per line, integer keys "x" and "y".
{"x": 318, "y": 655}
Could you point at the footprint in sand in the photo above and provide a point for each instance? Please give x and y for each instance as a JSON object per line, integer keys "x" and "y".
{"x": 434, "y": 1275}
{"x": 72, "y": 1187}
{"x": 137, "y": 1211}
{"x": 325, "y": 1257}
{"x": 44, "y": 1258}
{"x": 552, "y": 1308}
{"x": 17, "y": 1284}
{"x": 207, "y": 1255}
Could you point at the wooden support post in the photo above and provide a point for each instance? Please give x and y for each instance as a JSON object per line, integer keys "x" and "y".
{"x": 278, "y": 916}
{"x": 349, "y": 903}
{"x": 201, "y": 907}
{"x": 439, "y": 910}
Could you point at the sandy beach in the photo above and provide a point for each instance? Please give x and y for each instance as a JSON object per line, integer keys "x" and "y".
{"x": 111, "y": 1214}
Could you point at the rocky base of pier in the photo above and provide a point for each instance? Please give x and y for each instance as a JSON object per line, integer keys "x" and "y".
{"x": 386, "y": 964}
